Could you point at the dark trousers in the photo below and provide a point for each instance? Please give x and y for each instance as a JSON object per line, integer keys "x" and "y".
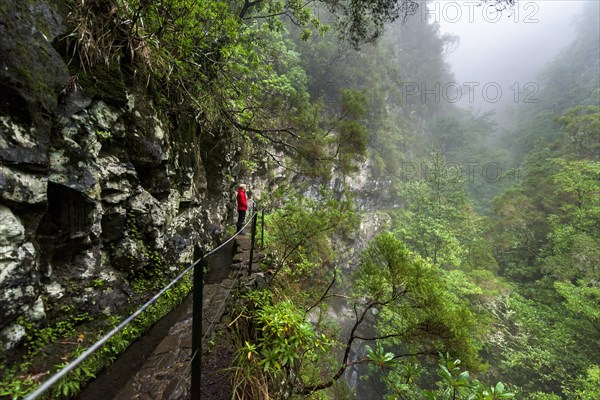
{"x": 241, "y": 219}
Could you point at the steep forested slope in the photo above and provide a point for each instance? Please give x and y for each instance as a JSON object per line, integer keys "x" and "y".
{"x": 545, "y": 229}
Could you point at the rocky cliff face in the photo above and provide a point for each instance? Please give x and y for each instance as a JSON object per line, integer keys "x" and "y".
{"x": 98, "y": 185}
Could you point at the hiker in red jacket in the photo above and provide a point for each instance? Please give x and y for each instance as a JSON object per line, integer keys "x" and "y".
{"x": 242, "y": 205}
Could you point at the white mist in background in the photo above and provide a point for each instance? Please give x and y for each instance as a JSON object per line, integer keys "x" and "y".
{"x": 500, "y": 53}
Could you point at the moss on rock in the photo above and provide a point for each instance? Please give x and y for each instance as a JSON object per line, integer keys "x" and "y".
{"x": 106, "y": 83}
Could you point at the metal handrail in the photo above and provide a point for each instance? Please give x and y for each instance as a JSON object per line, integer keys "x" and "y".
{"x": 73, "y": 364}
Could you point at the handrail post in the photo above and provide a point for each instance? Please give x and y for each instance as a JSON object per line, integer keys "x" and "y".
{"x": 197, "y": 324}
{"x": 253, "y": 230}
{"x": 262, "y": 229}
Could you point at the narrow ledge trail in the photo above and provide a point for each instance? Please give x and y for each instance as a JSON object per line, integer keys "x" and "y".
{"x": 157, "y": 366}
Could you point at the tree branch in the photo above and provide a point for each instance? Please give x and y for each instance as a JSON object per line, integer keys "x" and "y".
{"x": 247, "y": 6}
{"x": 324, "y": 293}
{"x": 345, "y": 364}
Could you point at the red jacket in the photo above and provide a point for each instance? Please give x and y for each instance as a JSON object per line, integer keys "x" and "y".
{"x": 242, "y": 203}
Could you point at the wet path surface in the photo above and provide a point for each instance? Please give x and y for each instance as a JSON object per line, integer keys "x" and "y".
{"x": 139, "y": 373}
{"x": 111, "y": 381}
{"x": 219, "y": 264}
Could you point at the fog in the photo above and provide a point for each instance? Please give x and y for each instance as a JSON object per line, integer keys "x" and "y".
{"x": 500, "y": 54}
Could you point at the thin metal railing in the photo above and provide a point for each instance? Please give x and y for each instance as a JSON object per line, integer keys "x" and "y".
{"x": 197, "y": 266}
{"x": 196, "y": 352}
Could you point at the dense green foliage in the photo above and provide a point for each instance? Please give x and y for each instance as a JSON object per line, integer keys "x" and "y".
{"x": 409, "y": 308}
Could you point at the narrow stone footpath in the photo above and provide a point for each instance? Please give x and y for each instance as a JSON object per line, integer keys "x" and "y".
{"x": 163, "y": 372}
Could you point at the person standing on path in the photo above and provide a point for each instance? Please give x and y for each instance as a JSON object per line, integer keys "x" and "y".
{"x": 242, "y": 205}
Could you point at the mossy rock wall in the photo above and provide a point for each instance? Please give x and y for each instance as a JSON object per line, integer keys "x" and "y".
{"x": 101, "y": 190}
